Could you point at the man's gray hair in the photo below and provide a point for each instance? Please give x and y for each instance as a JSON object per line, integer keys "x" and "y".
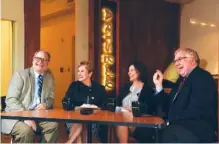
{"x": 190, "y": 52}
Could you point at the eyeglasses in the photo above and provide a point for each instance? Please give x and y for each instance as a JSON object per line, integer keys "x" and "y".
{"x": 179, "y": 59}
{"x": 40, "y": 59}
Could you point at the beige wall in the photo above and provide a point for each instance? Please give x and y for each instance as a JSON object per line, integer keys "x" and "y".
{"x": 13, "y": 10}
{"x": 204, "y": 39}
{"x": 57, "y": 37}
{"x": 64, "y": 33}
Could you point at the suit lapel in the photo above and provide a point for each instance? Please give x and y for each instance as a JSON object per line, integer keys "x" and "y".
{"x": 179, "y": 90}
{"x": 32, "y": 82}
{"x": 174, "y": 90}
{"x": 186, "y": 84}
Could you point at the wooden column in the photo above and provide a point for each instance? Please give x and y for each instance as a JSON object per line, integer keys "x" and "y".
{"x": 117, "y": 45}
{"x": 81, "y": 31}
{"x": 32, "y": 30}
{"x": 94, "y": 35}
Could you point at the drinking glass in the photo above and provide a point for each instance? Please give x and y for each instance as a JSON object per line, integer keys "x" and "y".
{"x": 136, "y": 109}
{"x": 111, "y": 104}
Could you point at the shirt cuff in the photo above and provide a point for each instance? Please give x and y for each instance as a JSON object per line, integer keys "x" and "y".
{"x": 158, "y": 89}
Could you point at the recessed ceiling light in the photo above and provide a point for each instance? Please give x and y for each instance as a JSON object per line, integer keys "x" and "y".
{"x": 212, "y": 25}
{"x": 192, "y": 21}
{"x": 203, "y": 24}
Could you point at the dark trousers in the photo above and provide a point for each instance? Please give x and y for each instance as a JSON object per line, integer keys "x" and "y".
{"x": 144, "y": 135}
{"x": 176, "y": 133}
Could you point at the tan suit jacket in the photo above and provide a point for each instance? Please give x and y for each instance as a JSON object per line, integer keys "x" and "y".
{"x": 21, "y": 92}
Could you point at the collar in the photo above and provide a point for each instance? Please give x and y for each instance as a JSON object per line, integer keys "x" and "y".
{"x": 37, "y": 74}
{"x": 190, "y": 72}
{"x": 82, "y": 84}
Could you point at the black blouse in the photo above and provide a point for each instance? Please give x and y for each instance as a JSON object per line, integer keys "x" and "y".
{"x": 79, "y": 94}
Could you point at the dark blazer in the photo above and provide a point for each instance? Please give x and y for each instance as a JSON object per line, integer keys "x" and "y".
{"x": 195, "y": 107}
{"x": 78, "y": 93}
{"x": 147, "y": 98}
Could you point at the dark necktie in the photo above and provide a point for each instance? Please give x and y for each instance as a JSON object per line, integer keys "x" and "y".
{"x": 179, "y": 88}
{"x": 40, "y": 86}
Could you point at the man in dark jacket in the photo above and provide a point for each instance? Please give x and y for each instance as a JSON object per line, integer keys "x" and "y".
{"x": 193, "y": 102}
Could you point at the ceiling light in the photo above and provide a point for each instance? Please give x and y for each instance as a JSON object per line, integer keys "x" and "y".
{"x": 212, "y": 25}
{"x": 192, "y": 21}
{"x": 203, "y": 24}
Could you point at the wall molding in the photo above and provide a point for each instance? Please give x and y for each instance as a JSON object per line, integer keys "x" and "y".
{"x": 63, "y": 12}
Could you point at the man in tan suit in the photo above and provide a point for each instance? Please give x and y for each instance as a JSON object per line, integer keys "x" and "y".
{"x": 31, "y": 89}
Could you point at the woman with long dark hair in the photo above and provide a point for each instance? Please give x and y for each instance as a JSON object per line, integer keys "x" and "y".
{"x": 136, "y": 90}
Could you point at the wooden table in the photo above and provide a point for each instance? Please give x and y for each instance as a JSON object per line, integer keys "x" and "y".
{"x": 98, "y": 117}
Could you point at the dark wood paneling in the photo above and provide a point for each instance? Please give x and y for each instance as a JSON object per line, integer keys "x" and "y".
{"x": 117, "y": 46}
{"x": 146, "y": 30}
{"x": 149, "y": 32}
{"x": 94, "y": 36}
{"x": 91, "y": 31}
{"x": 32, "y": 30}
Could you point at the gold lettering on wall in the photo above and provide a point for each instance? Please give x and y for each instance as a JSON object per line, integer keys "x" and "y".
{"x": 107, "y": 57}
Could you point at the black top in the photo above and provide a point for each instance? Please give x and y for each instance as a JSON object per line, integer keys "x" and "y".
{"x": 78, "y": 93}
{"x": 195, "y": 106}
{"x": 147, "y": 98}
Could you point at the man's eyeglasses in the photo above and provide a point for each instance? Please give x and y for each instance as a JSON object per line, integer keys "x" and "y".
{"x": 179, "y": 59}
{"x": 40, "y": 59}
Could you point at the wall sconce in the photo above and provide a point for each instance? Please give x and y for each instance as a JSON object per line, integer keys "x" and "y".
{"x": 197, "y": 22}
